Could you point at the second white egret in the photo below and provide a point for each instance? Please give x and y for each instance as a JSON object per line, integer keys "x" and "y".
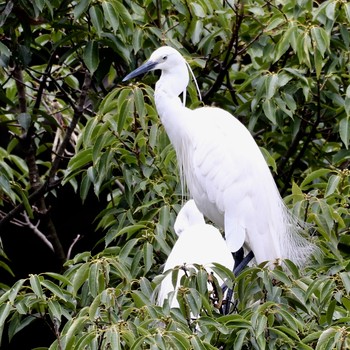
{"x": 197, "y": 243}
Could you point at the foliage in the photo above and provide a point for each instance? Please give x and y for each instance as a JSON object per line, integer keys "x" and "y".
{"x": 66, "y": 120}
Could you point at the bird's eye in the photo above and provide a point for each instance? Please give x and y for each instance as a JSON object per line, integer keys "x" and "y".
{"x": 164, "y": 58}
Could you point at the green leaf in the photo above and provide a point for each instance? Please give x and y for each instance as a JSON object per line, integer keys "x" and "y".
{"x": 282, "y": 333}
{"x": 93, "y": 279}
{"x": 332, "y": 185}
{"x": 79, "y": 160}
{"x": 97, "y": 18}
{"x": 56, "y": 290}
{"x": 124, "y": 113}
{"x": 281, "y": 276}
{"x": 127, "y": 248}
{"x": 179, "y": 340}
{"x": 4, "y": 50}
{"x": 197, "y": 10}
{"x": 347, "y": 10}
{"x": 86, "y": 341}
{"x": 240, "y": 339}
{"x": 344, "y": 131}
{"x": 164, "y": 217}
{"x": 317, "y": 174}
{"x": 346, "y": 303}
{"x": 4, "y": 312}
{"x": 345, "y": 277}
{"x": 118, "y": 46}
{"x": 139, "y": 103}
{"x": 275, "y": 22}
{"x": 260, "y": 326}
{"x": 24, "y": 120}
{"x": 321, "y": 39}
{"x": 330, "y": 10}
{"x": 80, "y": 8}
{"x": 111, "y": 15}
{"x": 147, "y": 256}
{"x": 318, "y": 62}
{"x": 124, "y": 15}
{"x": 140, "y": 299}
{"x": 91, "y": 56}
{"x": 55, "y": 310}
{"x": 225, "y": 273}
{"x": 270, "y": 110}
{"x": 303, "y": 48}
{"x": 72, "y": 328}
{"x": 36, "y": 286}
{"x": 85, "y": 186}
{"x": 197, "y": 343}
{"x": 64, "y": 280}
{"x": 327, "y": 339}
{"x": 347, "y": 102}
{"x": 269, "y": 159}
{"x": 330, "y": 311}
{"x": 146, "y": 287}
{"x": 196, "y": 30}
{"x": 80, "y": 277}
{"x": 13, "y": 292}
{"x": 130, "y": 230}
{"x": 7, "y": 268}
{"x": 94, "y": 308}
{"x": 137, "y": 40}
{"x": 25, "y": 201}
{"x": 292, "y": 268}
{"x": 311, "y": 337}
{"x": 271, "y": 85}
{"x": 18, "y": 323}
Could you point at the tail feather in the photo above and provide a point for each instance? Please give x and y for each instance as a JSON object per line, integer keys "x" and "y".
{"x": 294, "y": 244}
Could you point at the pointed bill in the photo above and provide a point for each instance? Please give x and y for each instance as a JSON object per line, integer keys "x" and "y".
{"x": 146, "y": 67}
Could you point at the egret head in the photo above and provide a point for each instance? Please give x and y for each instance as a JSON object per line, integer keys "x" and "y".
{"x": 165, "y": 58}
{"x": 188, "y": 216}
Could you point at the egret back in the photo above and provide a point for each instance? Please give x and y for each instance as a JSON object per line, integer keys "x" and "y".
{"x": 199, "y": 244}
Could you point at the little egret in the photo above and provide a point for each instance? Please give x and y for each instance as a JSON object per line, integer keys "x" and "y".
{"x": 197, "y": 243}
{"x": 224, "y": 169}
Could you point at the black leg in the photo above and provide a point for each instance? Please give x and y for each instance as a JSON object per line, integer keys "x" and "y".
{"x": 238, "y": 256}
{"x": 240, "y": 263}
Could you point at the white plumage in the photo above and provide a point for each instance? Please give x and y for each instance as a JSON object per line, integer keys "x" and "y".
{"x": 198, "y": 243}
{"x": 224, "y": 169}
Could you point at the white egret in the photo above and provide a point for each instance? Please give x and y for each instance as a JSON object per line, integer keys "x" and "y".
{"x": 197, "y": 243}
{"x": 224, "y": 169}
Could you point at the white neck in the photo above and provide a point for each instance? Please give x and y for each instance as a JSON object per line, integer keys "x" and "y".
{"x": 168, "y": 88}
{"x": 173, "y": 82}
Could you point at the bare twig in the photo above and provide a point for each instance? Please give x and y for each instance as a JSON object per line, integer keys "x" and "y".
{"x": 120, "y": 186}
{"x": 36, "y": 231}
{"x": 76, "y": 239}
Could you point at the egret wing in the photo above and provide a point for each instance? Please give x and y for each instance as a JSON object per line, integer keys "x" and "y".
{"x": 226, "y": 165}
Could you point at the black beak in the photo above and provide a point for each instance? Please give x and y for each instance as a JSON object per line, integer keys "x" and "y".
{"x": 146, "y": 67}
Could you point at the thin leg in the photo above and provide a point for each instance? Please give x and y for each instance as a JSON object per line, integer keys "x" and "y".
{"x": 238, "y": 256}
{"x": 240, "y": 263}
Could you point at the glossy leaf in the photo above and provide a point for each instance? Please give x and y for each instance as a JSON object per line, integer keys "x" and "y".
{"x": 91, "y": 56}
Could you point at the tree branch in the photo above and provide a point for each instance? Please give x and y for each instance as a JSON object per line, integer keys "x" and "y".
{"x": 78, "y": 112}
{"x": 51, "y": 182}
{"x": 36, "y": 231}
{"x": 226, "y": 64}
{"x": 76, "y": 239}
